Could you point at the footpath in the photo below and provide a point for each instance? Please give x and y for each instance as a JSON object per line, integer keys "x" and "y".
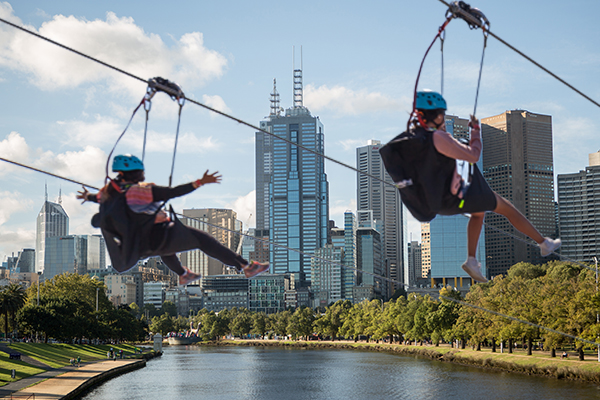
{"x": 67, "y": 382}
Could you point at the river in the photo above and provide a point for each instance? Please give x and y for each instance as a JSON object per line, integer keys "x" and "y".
{"x": 269, "y": 373}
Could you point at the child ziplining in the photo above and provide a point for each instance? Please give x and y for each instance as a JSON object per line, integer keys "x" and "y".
{"x": 437, "y": 174}
{"x": 135, "y": 226}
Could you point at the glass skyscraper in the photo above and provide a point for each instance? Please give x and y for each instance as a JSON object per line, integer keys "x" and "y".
{"x": 292, "y": 192}
{"x": 52, "y": 220}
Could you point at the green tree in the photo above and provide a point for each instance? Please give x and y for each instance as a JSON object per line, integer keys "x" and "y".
{"x": 12, "y": 299}
{"x": 301, "y": 323}
{"x": 162, "y": 324}
{"x": 169, "y": 308}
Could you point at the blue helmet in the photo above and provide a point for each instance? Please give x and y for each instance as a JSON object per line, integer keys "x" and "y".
{"x": 127, "y": 162}
{"x": 428, "y": 100}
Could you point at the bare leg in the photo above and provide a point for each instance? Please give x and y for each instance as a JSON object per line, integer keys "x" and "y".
{"x": 518, "y": 220}
{"x": 473, "y": 232}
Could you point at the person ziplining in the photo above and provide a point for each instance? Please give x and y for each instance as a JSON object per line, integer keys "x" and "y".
{"x": 437, "y": 174}
{"x": 135, "y": 226}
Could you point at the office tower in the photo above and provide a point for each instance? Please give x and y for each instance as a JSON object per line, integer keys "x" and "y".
{"x": 579, "y": 212}
{"x": 414, "y": 262}
{"x": 326, "y": 275}
{"x": 223, "y": 225}
{"x": 26, "y": 261}
{"x": 292, "y": 192}
{"x": 518, "y": 165}
{"x": 387, "y": 210}
{"x": 65, "y": 254}
{"x": 52, "y": 221}
{"x": 370, "y": 280}
{"x": 447, "y": 246}
{"x": 96, "y": 252}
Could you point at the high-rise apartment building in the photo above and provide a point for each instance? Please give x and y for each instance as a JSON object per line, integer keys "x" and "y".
{"x": 292, "y": 192}
{"x": 447, "y": 247}
{"x": 52, "y": 221}
{"x": 387, "y": 210}
{"x": 223, "y": 225}
{"x": 579, "y": 212}
{"x": 518, "y": 165}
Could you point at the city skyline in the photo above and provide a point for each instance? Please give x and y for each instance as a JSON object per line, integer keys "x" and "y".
{"x": 63, "y": 113}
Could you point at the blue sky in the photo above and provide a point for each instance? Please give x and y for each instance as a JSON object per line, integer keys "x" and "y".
{"x": 62, "y": 113}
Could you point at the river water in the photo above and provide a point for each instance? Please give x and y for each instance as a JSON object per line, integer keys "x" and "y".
{"x": 269, "y": 373}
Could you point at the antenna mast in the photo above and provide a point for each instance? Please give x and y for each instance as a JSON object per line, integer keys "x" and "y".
{"x": 298, "y": 103}
{"x": 275, "y": 108}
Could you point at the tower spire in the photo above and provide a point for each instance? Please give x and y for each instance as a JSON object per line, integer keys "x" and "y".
{"x": 46, "y": 191}
{"x": 60, "y": 196}
{"x": 275, "y": 108}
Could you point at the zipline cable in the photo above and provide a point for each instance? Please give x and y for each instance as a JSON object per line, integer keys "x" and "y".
{"x": 471, "y": 20}
{"x": 329, "y": 261}
{"x": 47, "y": 173}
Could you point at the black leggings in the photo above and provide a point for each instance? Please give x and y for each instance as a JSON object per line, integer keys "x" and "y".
{"x": 180, "y": 238}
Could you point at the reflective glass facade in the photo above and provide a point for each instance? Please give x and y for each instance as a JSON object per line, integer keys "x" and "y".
{"x": 292, "y": 192}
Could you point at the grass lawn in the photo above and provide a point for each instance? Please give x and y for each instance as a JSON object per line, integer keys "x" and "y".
{"x": 58, "y": 355}
{"x": 23, "y": 370}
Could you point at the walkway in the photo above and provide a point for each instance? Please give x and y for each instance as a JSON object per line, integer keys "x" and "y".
{"x": 58, "y": 383}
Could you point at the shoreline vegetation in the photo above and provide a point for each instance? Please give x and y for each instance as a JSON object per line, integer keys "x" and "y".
{"x": 540, "y": 363}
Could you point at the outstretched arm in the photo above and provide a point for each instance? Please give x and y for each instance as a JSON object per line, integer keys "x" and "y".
{"x": 162, "y": 193}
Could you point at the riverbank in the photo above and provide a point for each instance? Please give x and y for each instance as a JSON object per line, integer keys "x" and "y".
{"x": 540, "y": 363}
{"x": 66, "y": 381}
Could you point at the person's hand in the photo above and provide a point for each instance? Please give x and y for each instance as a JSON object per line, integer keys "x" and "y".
{"x": 474, "y": 122}
{"x": 83, "y": 195}
{"x": 208, "y": 178}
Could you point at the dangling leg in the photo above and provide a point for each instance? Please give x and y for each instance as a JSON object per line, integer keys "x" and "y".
{"x": 186, "y": 276}
{"x": 212, "y": 248}
{"x": 522, "y": 224}
{"x": 472, "y": 266}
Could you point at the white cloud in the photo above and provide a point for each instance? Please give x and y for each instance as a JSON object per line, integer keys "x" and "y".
{"x": 11, "y": 203}
{"x": 116, "y": 41}
{"x": 13, "y": 148}
{"x": 88, "y": 165}
{"x": 344, "y": 101}
{"x": 245, "y": 207}
{"x": 217, "y": 103}
{"x": 19, "y": 239}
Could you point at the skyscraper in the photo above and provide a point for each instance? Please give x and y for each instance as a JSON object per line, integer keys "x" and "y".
{"x": 387, "y": 210}
{"x": 292, "y": 192}
{"x": 518, "y": 165}
{"x": 579, "y": 212}
{"x": 52, "y": 221}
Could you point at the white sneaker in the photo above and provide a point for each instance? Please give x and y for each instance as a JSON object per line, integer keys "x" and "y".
{"x": 473, "y": 268}
{"x": 548, "y": 246}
